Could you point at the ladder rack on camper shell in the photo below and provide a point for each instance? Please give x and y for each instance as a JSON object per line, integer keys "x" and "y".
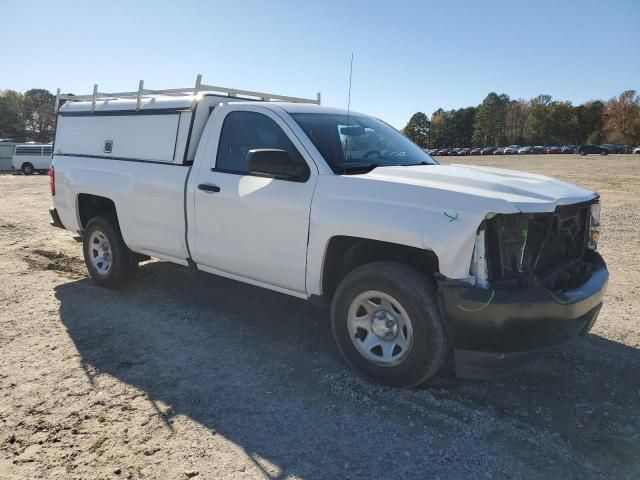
{"x": 199, "y": 87}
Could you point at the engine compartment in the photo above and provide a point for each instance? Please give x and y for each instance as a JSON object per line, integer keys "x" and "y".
{"x": 533, "y": 249}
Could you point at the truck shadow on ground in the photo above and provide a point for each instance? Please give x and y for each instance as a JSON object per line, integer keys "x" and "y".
{"x": 261, "y": 369}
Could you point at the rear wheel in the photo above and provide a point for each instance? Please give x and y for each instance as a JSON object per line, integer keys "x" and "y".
{"x": 109, "y": 261}
{"x": 27, "y": 169}
{"x": 387, "y": 325}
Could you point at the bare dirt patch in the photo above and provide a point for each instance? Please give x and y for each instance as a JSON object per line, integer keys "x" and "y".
{"x": 72, "y": 267}
{"x": 185, "y": 375}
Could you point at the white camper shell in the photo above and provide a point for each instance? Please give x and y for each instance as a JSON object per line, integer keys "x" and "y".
{"x": 162, "y": 126}
{"x": 163, "y": 129}
{"x": 32, "y": 157}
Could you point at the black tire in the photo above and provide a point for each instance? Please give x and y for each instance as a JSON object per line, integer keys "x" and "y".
{"x": 124, "y": 265}
{"x": 27, "y": 169}
{"x": 417, "y": 295}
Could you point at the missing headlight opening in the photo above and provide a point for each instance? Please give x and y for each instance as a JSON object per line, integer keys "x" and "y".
{"x": 594, "y": 226}
{"x": 539, "y": 248}
{"x": 479, "y": 264}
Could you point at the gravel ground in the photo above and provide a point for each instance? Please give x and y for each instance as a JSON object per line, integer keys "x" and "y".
{"x": 185, "y": 375}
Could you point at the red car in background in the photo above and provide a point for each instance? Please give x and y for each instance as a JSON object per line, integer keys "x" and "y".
{"x": 475, "y": 151}
{"x": 553, "y": 149}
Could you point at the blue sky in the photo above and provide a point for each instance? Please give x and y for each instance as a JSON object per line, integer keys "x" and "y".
{"x": 409, "y": 56}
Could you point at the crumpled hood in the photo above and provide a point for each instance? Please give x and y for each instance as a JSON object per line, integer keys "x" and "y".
{"x": 528, "y": 192}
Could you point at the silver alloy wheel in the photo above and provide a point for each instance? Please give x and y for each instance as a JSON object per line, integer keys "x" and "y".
{"x": 100, "y": 252}
{"x": 380, "y": 328}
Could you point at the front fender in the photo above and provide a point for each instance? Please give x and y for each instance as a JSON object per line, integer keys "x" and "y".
{"x": 444, "y": 222}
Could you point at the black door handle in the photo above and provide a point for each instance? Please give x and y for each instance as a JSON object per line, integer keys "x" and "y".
{"x": 207, "y": 187}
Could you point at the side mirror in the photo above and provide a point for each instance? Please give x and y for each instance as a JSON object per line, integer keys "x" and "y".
{"x": 277, "y": 163}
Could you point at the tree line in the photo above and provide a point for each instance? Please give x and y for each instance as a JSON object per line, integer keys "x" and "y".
{"x": 497, "y": 121}
{"x": 500, "y": 120}
{"x": 27, "y": 116}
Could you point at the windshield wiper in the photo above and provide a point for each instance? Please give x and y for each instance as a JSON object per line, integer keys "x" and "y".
{"x": 421, "y": 163}
{"x": 347, "y": 168}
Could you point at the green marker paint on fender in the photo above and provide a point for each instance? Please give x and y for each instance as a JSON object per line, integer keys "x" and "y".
{"x": 451, "y": 217}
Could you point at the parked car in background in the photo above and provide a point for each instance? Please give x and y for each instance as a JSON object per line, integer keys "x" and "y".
{"x": 525, "y": 150}
{"x": 537, "y": 149}
{"x": 552, "y": 149}
{"x": 475, "y": 151}
{"x": 568, "y": 149}
{"x": 487, "y": 151}
{"x": 432, "y": 151}
{"x": 512, "y": 150}
{"x": 443, "y": 152}
{"x": 499, "y": 151}
{"x": 615, "y": 148}
{"x": 592, "y": 149}
{"x": 32, "y": 157}
{"x": 463, "y": 151}
{"x": 636, "y": 150}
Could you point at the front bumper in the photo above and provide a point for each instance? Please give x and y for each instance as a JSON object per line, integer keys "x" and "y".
{"x": 495, "y": 332}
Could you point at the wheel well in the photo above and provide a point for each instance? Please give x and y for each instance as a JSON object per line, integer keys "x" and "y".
{"x": 90, "y": 206}
{"x": 347, "y": 253}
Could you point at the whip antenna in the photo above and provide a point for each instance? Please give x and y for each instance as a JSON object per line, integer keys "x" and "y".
{"x": 349, "y": 96}
{"x": 346, "y": 140}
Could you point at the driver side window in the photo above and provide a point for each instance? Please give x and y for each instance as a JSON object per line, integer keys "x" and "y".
{"x": 244, "y": 131}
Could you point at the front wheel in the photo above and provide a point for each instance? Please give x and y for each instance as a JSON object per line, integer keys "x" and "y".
{"x": 109, "y": 261}
{"x": 387, "y": 325}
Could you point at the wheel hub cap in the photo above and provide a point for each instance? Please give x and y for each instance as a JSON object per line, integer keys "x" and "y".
{"x": 100, "y": 253}
{"x": 384, "y": 325}
{"x": 380, "y": 328}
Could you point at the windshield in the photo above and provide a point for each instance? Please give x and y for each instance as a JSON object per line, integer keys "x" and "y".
{"x": 353, "y": 142}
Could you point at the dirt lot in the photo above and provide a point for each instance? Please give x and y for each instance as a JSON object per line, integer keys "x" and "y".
{"x": 188, "y": 375}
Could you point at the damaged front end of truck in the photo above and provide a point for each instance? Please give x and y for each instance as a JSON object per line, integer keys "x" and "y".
{"x": 537, "y": 282}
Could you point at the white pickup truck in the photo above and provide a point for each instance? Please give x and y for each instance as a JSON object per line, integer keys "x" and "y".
{"x": 422, "y": 264}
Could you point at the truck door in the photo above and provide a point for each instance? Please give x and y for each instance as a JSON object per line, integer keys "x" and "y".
{"x": 249, "y": 225}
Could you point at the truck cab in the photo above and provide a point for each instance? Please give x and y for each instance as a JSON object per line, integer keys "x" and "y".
{"x": 419, "y": 263}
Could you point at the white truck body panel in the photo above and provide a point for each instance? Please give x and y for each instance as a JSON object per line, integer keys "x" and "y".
{"x": 409, "y": 206}
{"x": 275, "y": 233}
{"x": 148, "y": 199}
{"x": 255, "y": 227}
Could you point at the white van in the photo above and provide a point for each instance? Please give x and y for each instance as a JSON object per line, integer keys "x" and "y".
{"x": 32, "y": 157}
